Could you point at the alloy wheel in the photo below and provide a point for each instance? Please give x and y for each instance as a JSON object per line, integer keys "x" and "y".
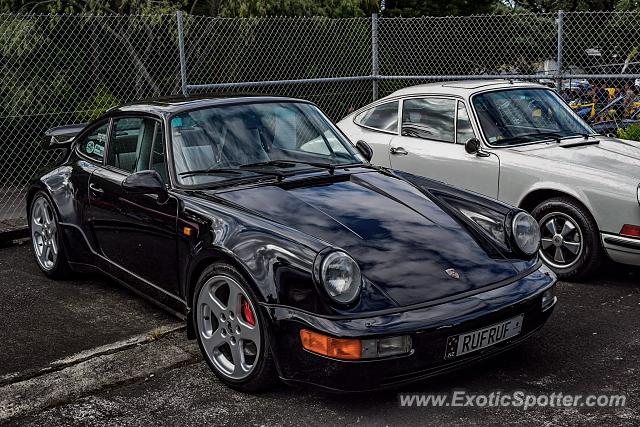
{"x": 562, "y": 242}
{"x": 44, "y": 233}
{"x": 228, "y": 327}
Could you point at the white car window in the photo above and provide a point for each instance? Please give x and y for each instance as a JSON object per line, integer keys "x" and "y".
{"x": 383, "y": 117}
{"x": 525, "y": 115}
{"x": 429, "y": 118}
{"x": 464, "y": 130}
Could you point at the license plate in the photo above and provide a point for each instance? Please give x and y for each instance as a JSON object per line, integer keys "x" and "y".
{"x": 458, "y": 345}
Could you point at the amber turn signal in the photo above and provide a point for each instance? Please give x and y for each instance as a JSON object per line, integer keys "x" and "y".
{"x": 338, "y": 348}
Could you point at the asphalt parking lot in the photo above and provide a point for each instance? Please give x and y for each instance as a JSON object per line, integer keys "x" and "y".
{"x": 45, "y": 321}
{"x": 88, "y": 352}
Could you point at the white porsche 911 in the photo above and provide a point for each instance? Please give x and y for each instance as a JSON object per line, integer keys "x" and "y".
{"x": 522, "y": 144}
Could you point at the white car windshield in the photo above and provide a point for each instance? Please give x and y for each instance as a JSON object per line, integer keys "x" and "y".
{"x": 519, "y": 116}
{"x": 250, "y": 140}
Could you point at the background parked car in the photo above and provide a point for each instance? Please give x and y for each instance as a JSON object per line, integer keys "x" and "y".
{"x": 524, "y": 146}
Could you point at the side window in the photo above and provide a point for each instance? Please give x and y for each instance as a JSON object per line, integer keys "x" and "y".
{"x": 429, "y": 118}
{"x": 94, "y": 143}
{"x": 464, "y": 131}
{"x": 319, "y": 145}
{"x": 383, "y": 117}
{"x": 131, "y": 144}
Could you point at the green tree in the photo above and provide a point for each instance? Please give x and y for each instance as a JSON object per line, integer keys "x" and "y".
{"x": 412, "y": 8}
{"x": 328, "y": 8}
{"x": 92, "y": 6}
{"x": 251, "y": 8}
{"x": 542, "y": 6}
{"x": 628, "y": 5}
{"x": 225, "y": 8}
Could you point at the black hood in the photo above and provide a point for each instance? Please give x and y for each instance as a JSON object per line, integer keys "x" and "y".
{"x": 403, "y": 241}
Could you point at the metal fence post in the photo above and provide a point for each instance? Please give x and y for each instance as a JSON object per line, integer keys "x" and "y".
{"x": 375, "y": 66}
{"x": 559, "y": 71}
{"x": 183, "y": 58}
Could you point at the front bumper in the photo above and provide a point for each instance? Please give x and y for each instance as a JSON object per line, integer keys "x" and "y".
{"x": 625, "y": 250}
{"x": 428, "y": 327}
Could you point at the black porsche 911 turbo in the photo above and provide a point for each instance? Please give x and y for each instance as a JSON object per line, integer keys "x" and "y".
{"x": 288, "y": 254}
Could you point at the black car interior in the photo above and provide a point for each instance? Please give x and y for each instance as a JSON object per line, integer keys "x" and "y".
{"x": 137, "y": 145}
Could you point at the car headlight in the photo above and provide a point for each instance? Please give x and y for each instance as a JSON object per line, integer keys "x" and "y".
{"x": 340, "y": 276}
{"x": 526, "y": 233}
{"x": 491, "y": 222}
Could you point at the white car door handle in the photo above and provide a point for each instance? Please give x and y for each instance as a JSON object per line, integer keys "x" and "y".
{"x": 93, "y": 187}
{"x": 398, "y": 150}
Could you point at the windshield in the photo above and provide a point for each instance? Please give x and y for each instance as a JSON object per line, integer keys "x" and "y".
{"x": 518, "y": 116}
{"x": 254, "y": 140}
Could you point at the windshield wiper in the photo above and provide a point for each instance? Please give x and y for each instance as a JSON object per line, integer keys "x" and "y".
{"x": 544, "y": 135}
{"x": 584, "y": 135}
{"x": 212, "y": 171}
{"x": 288, "y": 163}
{"x": 227, "y": 171}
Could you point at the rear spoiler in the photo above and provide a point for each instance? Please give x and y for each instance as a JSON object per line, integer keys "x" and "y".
{"x": 62, "y": 136}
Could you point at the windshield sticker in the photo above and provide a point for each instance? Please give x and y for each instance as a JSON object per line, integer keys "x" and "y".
{"x": 176, "y": 122}
{"x": 98, "y": 150}
{"x": 90, "y": 147}
{"x": 102, "y": 137}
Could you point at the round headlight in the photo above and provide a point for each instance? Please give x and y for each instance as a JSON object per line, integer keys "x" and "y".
{"x": 340, "y": 276}
{"x": 526, "y": 233}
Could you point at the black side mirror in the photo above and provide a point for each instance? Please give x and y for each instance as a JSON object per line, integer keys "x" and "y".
{"x": 472, "y": 146}
{"x": 365, "y": 149}
{"x": 146, "y": 182}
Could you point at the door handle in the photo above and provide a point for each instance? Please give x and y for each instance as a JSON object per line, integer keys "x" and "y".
{"x": 398, "y": 150}
{"x": 95, "y": 188}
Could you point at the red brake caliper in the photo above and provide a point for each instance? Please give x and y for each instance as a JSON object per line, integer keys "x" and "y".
{"x": 247, "y": 313}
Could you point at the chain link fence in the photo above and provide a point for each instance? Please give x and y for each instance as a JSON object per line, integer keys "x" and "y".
{"x": 66, "y": 69}
{"x": 325, "y": 60}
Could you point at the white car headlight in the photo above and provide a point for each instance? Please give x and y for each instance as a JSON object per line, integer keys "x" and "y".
{"x": 340, "y": 276}
{"x": 526, "y": 233}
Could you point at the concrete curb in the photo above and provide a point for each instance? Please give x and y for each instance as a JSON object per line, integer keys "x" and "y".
{"x": 94, "y": 352}
{"x": 91, "y": 370}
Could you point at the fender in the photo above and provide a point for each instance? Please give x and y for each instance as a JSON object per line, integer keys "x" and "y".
{"x": 556, "y": 187}
{"x": 262, "y": 254}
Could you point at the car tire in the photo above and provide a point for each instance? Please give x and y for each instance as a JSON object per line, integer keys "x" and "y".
{"x": 230, "y": 336}
{"x": 575, "y": 230}
{"x": 46, "y": 237}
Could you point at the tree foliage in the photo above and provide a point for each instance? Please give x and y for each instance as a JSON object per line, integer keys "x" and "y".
{"x": 327, "y": 8}
{"x": 542, "y": 6}
{"x": 412, "y": 8}
{"x": 224, "y": 8}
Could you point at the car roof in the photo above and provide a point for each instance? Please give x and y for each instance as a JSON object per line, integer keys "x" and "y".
{"x": 175, "y": 104}
{"x": 462, "y": 88}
